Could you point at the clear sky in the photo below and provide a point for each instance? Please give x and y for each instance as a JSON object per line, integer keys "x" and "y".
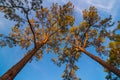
{"x": 45, "y": 69}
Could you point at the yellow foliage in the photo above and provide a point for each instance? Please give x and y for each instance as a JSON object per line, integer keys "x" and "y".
{"x": 114, "y": 44}
{"x": 61, "y": 58}
{"x": 77, "y": 55}
{"x": 63, "y": 75}
{"x": 72, "y": 72}
{"x": 73, "y": 30}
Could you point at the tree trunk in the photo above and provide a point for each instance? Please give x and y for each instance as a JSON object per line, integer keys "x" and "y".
{"x": 12, "y": 72}
{"x": 102, "y": 62}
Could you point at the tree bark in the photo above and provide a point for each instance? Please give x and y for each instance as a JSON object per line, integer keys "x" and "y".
{"x": 102, "y": 62}
{"x": 12, "y": 72}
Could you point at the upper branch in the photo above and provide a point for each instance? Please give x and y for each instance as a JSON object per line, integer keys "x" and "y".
{"x": 86, "y": 40}
{"x": 31, "y": 29}
{"x": 84, "y": 34}
{"x": 25, "y": 10}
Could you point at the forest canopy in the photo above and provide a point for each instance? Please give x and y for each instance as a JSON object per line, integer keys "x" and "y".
{"x": 42, "y": 30}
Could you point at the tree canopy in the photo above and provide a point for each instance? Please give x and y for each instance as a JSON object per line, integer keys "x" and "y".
{"x": 91, "y": 32}
{"x": 52, "y": 29}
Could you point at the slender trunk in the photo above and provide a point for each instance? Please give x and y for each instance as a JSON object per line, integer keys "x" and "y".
{"x": 102, "y": 62}
{"x": 12, "y": 72}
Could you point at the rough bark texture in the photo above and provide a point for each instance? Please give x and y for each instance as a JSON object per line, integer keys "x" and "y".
{"x": 12, "y": 72}
{"x": 103, "y": 63}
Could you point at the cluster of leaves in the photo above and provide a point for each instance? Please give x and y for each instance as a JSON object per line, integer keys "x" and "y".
{"x": 11, "y": 8}
{"x": 19, "y": 12}
{"x": 91, "y": 31}
{"x": 114, "y": 53}
{"x": 68, "y": 56}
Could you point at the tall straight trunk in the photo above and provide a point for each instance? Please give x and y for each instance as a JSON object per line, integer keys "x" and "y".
{"x": 12, "y": 72}
{"x": 102, "y": 62}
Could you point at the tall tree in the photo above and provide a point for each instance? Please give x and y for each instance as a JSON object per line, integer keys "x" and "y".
{"x": 35, "y": 25}
{"x": 92, "y": 32}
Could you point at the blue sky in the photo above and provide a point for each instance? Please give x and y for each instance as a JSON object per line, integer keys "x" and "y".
{"x": 47, "y": 70}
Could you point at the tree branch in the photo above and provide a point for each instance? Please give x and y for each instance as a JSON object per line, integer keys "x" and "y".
{"x": 85, "y": 33}
{"x": 26, "y": 12}
{"x": 86, "y": 39}
{"x": 14, "y": 6}
{"x": 31, "y": 27}
{"x": 102, "y": 62}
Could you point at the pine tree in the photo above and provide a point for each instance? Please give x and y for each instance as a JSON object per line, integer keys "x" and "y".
{"x": 92, "y": 32}
{"x": 35, "y": 25}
